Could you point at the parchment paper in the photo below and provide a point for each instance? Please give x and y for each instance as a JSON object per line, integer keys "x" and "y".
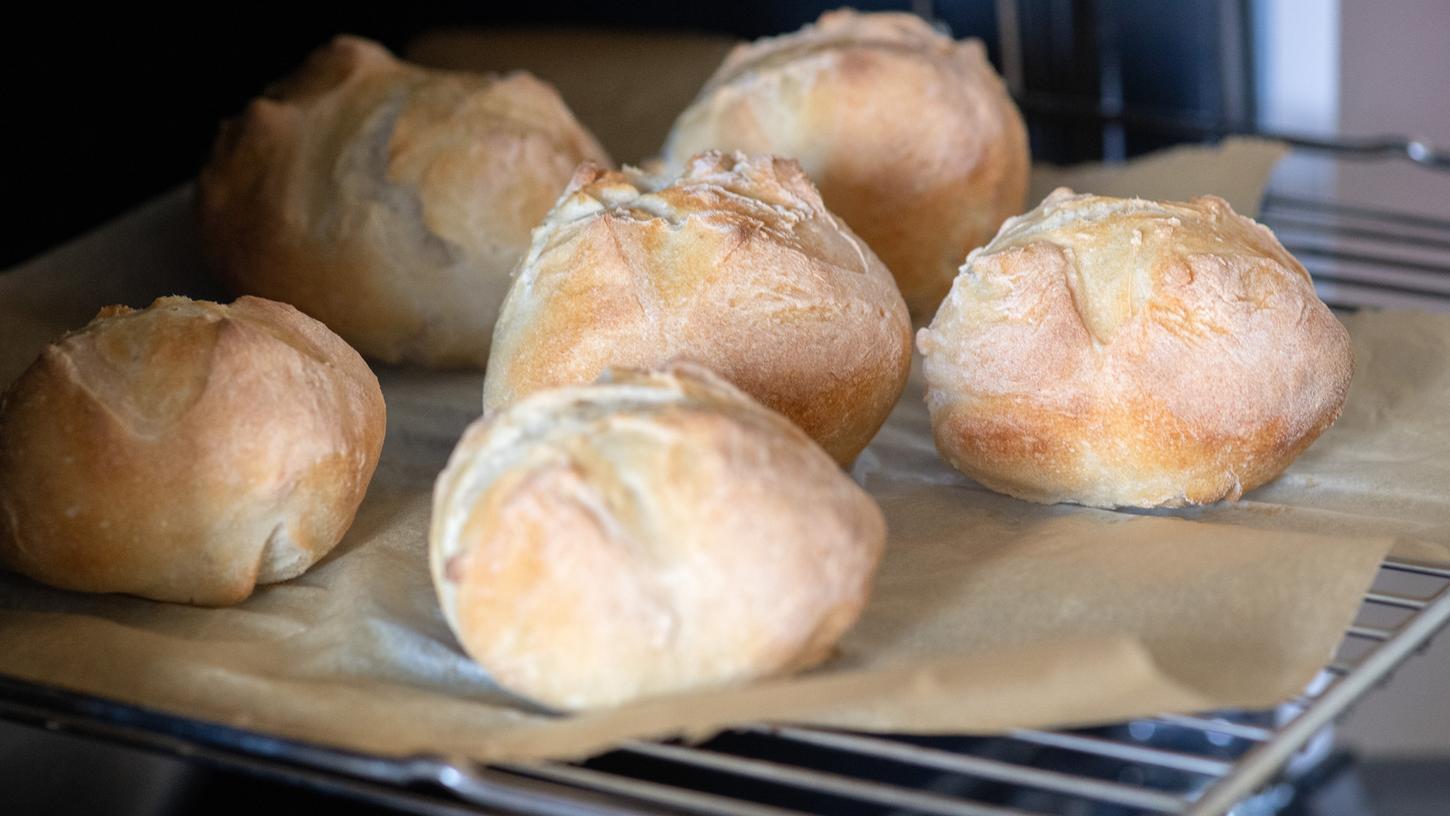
{"x": 989, "y": 613}
{"x": 627, "y": 87}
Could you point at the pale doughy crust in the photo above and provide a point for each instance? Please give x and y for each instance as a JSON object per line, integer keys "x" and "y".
{"x": 734, "y": 264}
{"x": 910, "y": 135}
{"x": 1122, "y": 352}
{"x": 652, "y": 533}
{"x": 186, "y": 452}
{"x": 388, "y": 201}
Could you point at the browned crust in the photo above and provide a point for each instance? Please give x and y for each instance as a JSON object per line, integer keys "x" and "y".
{"x": 736, "y": 265}
{"x": 186, "y": 452}
{"x": 1118, "y": 352}
{"x": 387, "y": 200}
{"x": 1024, "y": 450}
{"x": 911, "y": 137}
{"x": 650, "y": 534}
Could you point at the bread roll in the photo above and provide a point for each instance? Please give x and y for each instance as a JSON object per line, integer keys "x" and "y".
{"x": 651, "y": 533}
{"x": 386, "y": 200}
{"x": 186, "y": 452}
{"x": 910, "y": 136}
{"x": 1121, "y": 352}
{"x": 735, "y": 264}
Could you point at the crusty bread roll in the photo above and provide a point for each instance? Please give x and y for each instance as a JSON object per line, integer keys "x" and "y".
{"x": 910, "y": 136}
{"x": 735, "y": 264}
{"x": 1122, "y": 352}
{"x": 386, "y": 200}
{"x": 651, "y": 533}
{"x": 186, "y": 452}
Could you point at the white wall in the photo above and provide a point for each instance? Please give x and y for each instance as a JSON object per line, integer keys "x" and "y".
{"x": 1395, "y": 67}
{"x": 1297, "y": 43}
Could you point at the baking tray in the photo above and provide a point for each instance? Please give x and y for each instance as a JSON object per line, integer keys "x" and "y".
{"x": 1360, "y": 256}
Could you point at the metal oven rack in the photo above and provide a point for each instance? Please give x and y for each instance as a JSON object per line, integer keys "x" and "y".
{"x": 1215, "y": 760}
{"x": 1195, "y": 765}
{"x": 1362, "y": 256}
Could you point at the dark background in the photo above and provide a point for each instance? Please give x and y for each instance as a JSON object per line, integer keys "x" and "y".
{"x": 109, "y": 108}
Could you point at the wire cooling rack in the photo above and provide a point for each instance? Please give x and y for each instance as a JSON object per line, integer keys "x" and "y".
{"x": 1206, "y": 764}
{"x": 1172, "y": 764}
{"x": 1195, "y": 765}
{"x": 1366, "y": 256}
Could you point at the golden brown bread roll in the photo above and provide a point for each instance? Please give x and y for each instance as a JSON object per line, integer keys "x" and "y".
{"x": 651, "y": 533}
{"x": 1122, "y": 352}
{"x": 735, "y": 264}
{"x": 910, "y": 136}
{"x": 386, "y": 200}
{"x": 186, "y": 452}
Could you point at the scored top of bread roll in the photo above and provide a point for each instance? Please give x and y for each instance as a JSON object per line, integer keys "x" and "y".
{"x": 651, "y": 533}
{"x": 1117, "y": 352}
{"x": 736, "y": 264}
{"x": 387, "y": 200}
{"x": 911, "y": 136}
{"x": 186, "y": 452}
